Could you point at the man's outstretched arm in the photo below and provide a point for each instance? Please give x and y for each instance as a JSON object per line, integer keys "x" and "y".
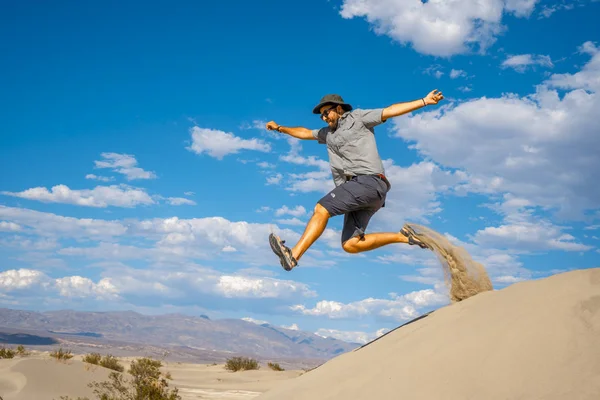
{"x": 297, "y": 132}
{"x": 402, "y": 108}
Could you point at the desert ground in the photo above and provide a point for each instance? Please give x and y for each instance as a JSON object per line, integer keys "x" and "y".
{"x": 37, "y": 376}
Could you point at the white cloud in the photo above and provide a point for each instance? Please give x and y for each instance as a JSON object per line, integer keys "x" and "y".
{"x": 178, "y": 201}
{"x": 48, "y": 224}
{"x": 589, "y": 76}
{"x": 291, "y": 221}
{"x": 249, "y": 287}
{"x": 541, "y": 147}
{"x": 80, "y": 287}
{"x": 350, "y": 336}
{"x": 548, "y": 10}
{"x": 293, "y": 327}
{"x": 20, "y": 279}
{"x": 125, "y": 164}
{"x": 441, "y": 28}
{"x": 528, "y": 236}
{"x": 521, "y": 62}
{"x": 265, "y": 165}
{"x": 297, "y": 211}
{"x": 218, "y": 144}
{"x": 398, "y": 308}
{"x": 100, "y": 178}
{"x": 457, "y": 73}
{"x": 100, "y": 196}
{"x": 255, "y": 321}
{"x": 9, "y": 227}
{"x": 275, "y": 179}
{"x": 434, "y": 70}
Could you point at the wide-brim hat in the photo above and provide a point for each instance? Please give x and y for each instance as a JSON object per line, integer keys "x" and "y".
{"x": 331, "y": 99}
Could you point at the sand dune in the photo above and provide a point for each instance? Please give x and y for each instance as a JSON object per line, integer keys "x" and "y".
{"x": 39, "y": 377}
{"x": 533, "y": 340}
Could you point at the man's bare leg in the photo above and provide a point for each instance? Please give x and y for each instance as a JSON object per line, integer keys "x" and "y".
{"x": 373, "y": 241}
{"x": 313, "y": 230}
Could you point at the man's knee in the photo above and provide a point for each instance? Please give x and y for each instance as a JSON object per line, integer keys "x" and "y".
{"x": 351, "y": 245}
{"x": 321, "y": 211}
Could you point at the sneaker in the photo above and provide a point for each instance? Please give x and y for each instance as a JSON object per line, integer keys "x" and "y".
{"x": 283, "y": 252}
{"x": 412, "y": 237}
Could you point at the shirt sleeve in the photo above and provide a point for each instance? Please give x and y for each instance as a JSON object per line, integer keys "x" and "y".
{"x": 370, "y": 117}
{"x": 320, "y": 135}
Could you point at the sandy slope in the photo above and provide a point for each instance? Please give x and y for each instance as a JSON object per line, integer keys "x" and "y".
{"x": 41, "y": 377}
{"x": 38, "y": 377}
{"x": 533, "y": 340}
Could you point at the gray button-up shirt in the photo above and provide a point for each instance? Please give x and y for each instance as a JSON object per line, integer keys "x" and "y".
{"x": 351, "y": 147}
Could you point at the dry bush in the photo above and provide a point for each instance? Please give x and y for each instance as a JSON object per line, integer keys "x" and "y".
{"x": 7, "y": 353}
{"x": 61, "y": 354}
{"x": 21, "y": 351}
{"x": 92, "y": 358}
{"x": 147, "y": 383}
{"x": 111, "y": 362}
{"x": 241, "y": 364}
{"x": 275, "y": 366}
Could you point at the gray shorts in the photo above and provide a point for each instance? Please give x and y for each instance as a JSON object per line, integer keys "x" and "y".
{"x": 358, "y": 199}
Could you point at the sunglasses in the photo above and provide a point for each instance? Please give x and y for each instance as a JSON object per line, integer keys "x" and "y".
{"x": 326, "y": 112}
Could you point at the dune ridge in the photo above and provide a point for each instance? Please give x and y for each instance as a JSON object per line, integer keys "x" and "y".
{"x": 536, "y": 339}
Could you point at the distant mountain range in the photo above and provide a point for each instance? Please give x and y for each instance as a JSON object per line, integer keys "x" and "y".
{"x": 200, "y": 333}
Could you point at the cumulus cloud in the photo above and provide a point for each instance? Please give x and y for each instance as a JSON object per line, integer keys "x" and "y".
{"x": 297, "y": 211}
{"x": 100, "y": 196}
{"x": 125, "y": 164}
{"x": 240, "y": 286}
{"x": 589, "y": 76}
{"x": 522, "y": 62}
{"x": 540, "y": 147}
{"x": 398, "y": 308}
{"x": 350, "y": 336}
{"x": 218, "y": 144}
{"x": 440, "y": 28}
{"x": 189, "y": 283}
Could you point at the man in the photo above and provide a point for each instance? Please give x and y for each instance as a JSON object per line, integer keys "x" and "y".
{"x": 360, "y": 183}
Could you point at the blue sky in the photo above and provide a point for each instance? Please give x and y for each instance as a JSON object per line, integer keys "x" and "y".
{"x": 137, "y": 173}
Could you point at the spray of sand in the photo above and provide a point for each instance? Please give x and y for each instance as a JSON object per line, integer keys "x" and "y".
{"x": 464, "y": 276}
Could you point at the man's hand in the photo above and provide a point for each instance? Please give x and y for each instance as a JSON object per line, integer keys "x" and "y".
{"x": 433, "y": 97}
{"x": 272, "y": 126}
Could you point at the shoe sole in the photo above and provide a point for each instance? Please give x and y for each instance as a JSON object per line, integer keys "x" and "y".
{"x": 411, "y": 235}
{"x": 274, "y": 241}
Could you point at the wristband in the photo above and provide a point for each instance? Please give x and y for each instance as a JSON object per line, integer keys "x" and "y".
{"x": 424, "y": 104}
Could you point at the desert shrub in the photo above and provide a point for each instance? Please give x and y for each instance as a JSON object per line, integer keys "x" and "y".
{"x": 241, "y": 364}
{"x": 61, "y": 354}
{"x": 7, "y": 353}
{"x": 21, "y": 351}
{"x": 147, "y": 383}
{"x": 92, "y": 358}
{"x": 275, "y": 366}
{"x": 111, "y": 362}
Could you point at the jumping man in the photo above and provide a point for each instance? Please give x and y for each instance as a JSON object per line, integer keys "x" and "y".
{"x": 358, "y": 174}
